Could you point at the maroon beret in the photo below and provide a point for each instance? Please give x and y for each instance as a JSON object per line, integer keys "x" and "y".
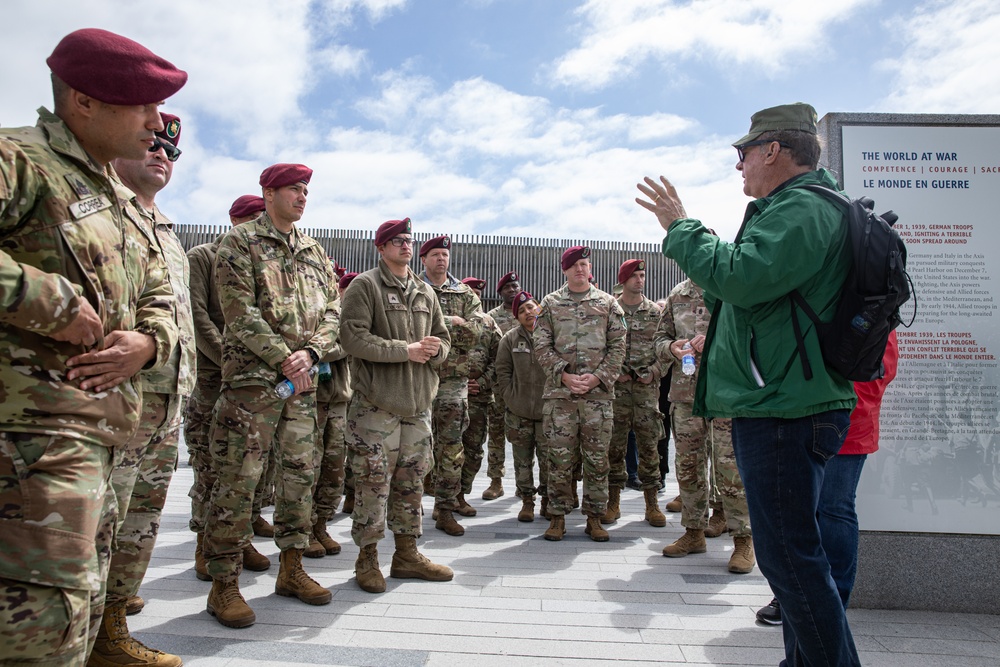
{"x": 629, "y": 267}
{"x": 114, "y": 69}
{"x": 280, "y": 175}
{"x": 436, "y": 242}
{"x": 508, "y": 277}
{"x": 574, "y": 254}
{"x": 346, "y": 280}
{"x": 391, "y": 229}
{"x": 519, "y": 300}
{"x": 341, "y": 271}
{"x": 171, "y": 128}
{"x": 246, "y": 205}
{"x": 474, "y": 283}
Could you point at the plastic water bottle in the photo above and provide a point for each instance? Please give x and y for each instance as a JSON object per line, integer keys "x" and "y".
{"x": 285, "y": 388}
{"x": 687, "y": 361}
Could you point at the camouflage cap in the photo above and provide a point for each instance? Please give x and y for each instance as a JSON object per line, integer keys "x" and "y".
{"x": 797, "y": 116}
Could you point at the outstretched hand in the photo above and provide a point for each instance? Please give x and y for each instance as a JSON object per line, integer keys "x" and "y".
{"x": 663, "y": 201}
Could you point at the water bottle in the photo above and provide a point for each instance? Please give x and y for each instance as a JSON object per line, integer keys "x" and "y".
{"x": 285, "y": 388}
{"x": 687, "y": 361}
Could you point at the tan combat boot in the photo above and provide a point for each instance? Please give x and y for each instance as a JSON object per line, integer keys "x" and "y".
{"x": 367, "y": 571}
{"x": 544, "y": 512}
{"x": 495, "y": 489}
{"x": 691, "y": 542}
{"x": 115, "y": 646}
{"x": 446, "y": 522}
{"x": 674, "y": 505}
{"x": 254, "y": 560}
{"x": 200, "y": 565}
{"x": 464, "y": 508}
{"x": 614, "y": 512}
{"x": 408, "y": 563}
{"x": 315, "y": 549}
{"x": 527, "y": 513}
{"x": 654, "y": 516}
{"x": 742, "y": 560}
{"x": 293, "y": 582}
{"x": 134, "y": 605}
{"x": 330, "y": 545}
{"x": 261, "y": 528}
{"x": 557, "y": 528}
{"x": 226, "y": 603}
{"x": 348, "y": 507}
{"x": 596, "y": 530}
{"x": 716, "y": 524}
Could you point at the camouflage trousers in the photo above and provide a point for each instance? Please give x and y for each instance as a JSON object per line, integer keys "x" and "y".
{"x": 247, "y": 422}
{"x": 636, "y": 408}
{"x": 449, "y": 420}
{"x": 497, "y": 443}
{"x": 330, "y": 455}
{"x": 141, "y": 476}
{"x": 699, "y": 442}
{"x": 527, "y": 438}
{"x": 389, "y": 457}
{"x": 473, "y": 440}
{"x": 577, "y": 432}
{"x": 57, "y": 516}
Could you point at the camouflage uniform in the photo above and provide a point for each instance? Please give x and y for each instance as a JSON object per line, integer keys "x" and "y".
{"x": 450, "y": 415}
{"x": 696, "y": 439}
{"x": 520, "y": 381}
{"x": 146, "y": 464}
{"x": 277, "y": 297}
{"x": 496, "y": 445}
{"x": 481, "y": 368}
{"x": 332, "y": 396}
{"x": 64, "y": 240}
{"x": 636, "y": 404}
{"x": 389, "y": 414}
{"x": 579, "y": 333}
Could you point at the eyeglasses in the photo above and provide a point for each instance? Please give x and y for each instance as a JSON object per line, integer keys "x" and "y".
{"x": 760, "y": 142}
{"x": 171, "y": 151}
{"x": 399, "y": 241}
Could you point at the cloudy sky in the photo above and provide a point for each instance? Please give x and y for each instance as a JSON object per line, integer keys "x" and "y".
{"x": 520, "y": 117}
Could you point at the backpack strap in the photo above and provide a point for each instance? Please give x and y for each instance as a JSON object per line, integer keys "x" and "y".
{"x": 795, "y": 298}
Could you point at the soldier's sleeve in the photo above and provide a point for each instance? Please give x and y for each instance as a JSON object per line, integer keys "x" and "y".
{"x": 238, "y": 296}
{"x": 356, "y": 317}
{"x": 504, "y": 368}
{"x": 545, "y": 348}
{"x": 666, "y": 334}
{"x": 439, "y": 329}
{"x": 614, "y": 339}
{"x": 465, "y": 336}
{"x": 655, "y": 366}
{"x": 154, "y": 313}
{"x": 327, "y": 336}
{"x": 492, "y": 334}
{"x": 30, "y": 298}
{"x": 207, "y": 336}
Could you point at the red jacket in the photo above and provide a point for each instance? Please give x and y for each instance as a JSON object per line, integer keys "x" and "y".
{"x": 862, "y": 437}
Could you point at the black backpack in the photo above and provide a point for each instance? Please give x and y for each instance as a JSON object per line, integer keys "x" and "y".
{"x": 877, "y": 284}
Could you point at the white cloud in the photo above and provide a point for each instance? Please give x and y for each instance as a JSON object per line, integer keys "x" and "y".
{"x": 620, "y": 35}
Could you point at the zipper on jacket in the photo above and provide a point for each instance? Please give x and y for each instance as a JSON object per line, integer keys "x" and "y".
{"x": 758, "y": 378}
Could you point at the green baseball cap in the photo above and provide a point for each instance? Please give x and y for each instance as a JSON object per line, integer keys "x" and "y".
{"x": 798, "y": 116}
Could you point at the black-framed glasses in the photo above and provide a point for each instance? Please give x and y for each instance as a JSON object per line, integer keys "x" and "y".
{"x": 399, "y": 241}
{"x": 171, "y": 151}
{"x": 760, "y": 142}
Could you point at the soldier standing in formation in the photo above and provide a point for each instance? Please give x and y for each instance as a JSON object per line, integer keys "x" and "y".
{"x": 507, "y": 287}
{"x": 395, "y": 334}
{"x": 279, "y": 301}
{"x": 580, "y": 342}
{"x": 74, "y": 276}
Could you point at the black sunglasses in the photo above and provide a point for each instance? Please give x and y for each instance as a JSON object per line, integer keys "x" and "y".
{"x": 759, "y": 142}
{"x": 172, "y": 151}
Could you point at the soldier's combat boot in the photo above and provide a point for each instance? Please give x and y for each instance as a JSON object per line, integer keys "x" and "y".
{"x": 315, "y": 549}
{"x": 742, "y": 560}
{"x": 544, "y": 512}
{"x": 330, "y": 545}
{"x": 367, "y": 572}
{"x": 254, "y": 560}
{"x": 527, "y": 513}
{"x": 348, "y": 502}
{"x": 674, "y": 505}
{"x": 408, "y": 563}
{"x": 200, "y": 566}
{"x": 293, "y": 582}
{"x": 654, "y": 516}
{"x": 226, "y": 603}
{"x": 691, "y": 542}
{"x": 614, "y": 512}
{"x": 134, "y": 605}
{"x": 557, "y": 528}
{"x": 494, "y": 490}
{"x": 717, "y": 524}
{"x": 261, "y": 527}
{"x": 115, "y": 646}
{"x": 446, "y": 522}
{"x": 596, "y": 530}
{"x": 464, "y": 508}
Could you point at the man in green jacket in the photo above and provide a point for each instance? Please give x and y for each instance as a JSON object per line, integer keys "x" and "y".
{"x": 785, "y": 427}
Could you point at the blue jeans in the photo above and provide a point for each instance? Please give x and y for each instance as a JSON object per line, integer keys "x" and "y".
{"x": 782, "y": 463}
{"x": 838, "y": 519}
